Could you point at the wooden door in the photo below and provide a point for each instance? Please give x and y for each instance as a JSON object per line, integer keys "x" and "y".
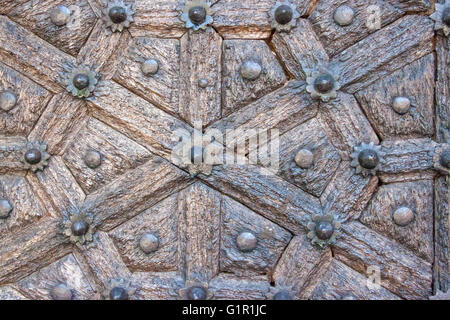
{"x": 99, "y": 197}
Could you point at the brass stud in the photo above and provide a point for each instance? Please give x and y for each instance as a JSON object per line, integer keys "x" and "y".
{"x": 344, "y": 15}
{"x": 5, "y": 208}
{"x": 403, "y": 216}
{"x": 61, "y": 292}
{"x": 33, "y": 156}
{"x": 251, "y": 70}
{"x": 304, "y": 158}
{"x": 246, "y": 241}
{"x": 401, "y": 105}
{"x": 93, "y": 159}
{"x": 60, "y": 15}
{"x": 149, "y": 67}
{"x": 203, "y": 83}
{"x": 8, "y": 100}
{"x": 149, "y": 243}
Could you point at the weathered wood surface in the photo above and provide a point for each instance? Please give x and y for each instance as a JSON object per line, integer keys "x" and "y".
{"x": 11, "y": 154}
{"x": 442, "y": 90}
{"x": 157, "y": 285}
{"x": 228, "y": 286}
{"x": 441, "y": 235}
{"x": 11, "y": 293}
{"x": 412, "y": 5}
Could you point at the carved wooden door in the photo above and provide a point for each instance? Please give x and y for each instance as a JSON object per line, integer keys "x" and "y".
{"x": 99, "y": 199}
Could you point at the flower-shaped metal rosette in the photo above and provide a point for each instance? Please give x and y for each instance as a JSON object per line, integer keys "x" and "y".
{"x": 322, "y": 83}
{"x": 197, "y": 14}
{"x": 35, "y": 156}
{"x": 283, "y": 16}
{"x": 442, "y": 17}
{"x": 119, "y": 289}
{"x": 118, "y": 15}
{"x": 281, "y": 293}
{"x": 194, "y": 290}
{"x": 322, "y": 230}
{"x": 81, "y": 81}
{"x": 366, "y": 158}
{"x": 78, "y": 226}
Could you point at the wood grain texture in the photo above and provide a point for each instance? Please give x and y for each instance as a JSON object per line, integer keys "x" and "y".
{"x": 10, "y": 293}
{"x": 402, "y": 273}
{"x": 7, "y": 5}
{"x": 31, "y": 102}
{"x": 237, "y": 91}
{"x": 228, "y": 286}
{"x": 417, "y": 196}
{"x": 160, "y": 89}
{"x": 412, "y": 5}
{"x": 157, "y": 285}
{"x": 383, "y": 52}
{"x": 441, "y": 235}
{"x": 40, "y": 61}
{"x": 199, "y": 244}
{"x": 442, "y": 90}
{"x": 301, "y": 266}
{"x": 299, "y": 49}
{"x": 343, "y": 283}
{"x": 118, "y": 155}
{"x": 271, "y": 241}
{"x": 201, "y": 58}
{"x": 415, "y": 82}
{"x": 11, "y": 154}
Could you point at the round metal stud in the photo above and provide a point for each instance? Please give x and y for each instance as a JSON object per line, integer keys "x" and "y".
{"x": 445, "y": 159}
{"x": 446, "y": 16}
{"x": 368, "y": 159}
{"x": 79, "y": 227}
{"x": 149, "y": 243}
{"x": 8, "y": 100}
{"x": 81, "y": 81}
{"x": 403, "y": 216}
{"x": 117, "y": 14}
{"x": 251, "y": 70}
{"x": 93, "y": 159}
{"x": 283, "y": 14}
{"x": 401, "y": 105}
{"x": 304, "y": 158}
{"x": 118, "y": 293}
{"x": 150, "y": 67}
{"x": 203, "y": 83}
{"x": 324, "y": 83}
{"x": 196, "y": 293}
{"x": 60, "y": 15}
{"x": 197, "y": 15}
{"x": 197, "y": 154}
{"x": 33, "y": 156}
{"x": 61, "y": 292}
{"x": 282, "y": 295}
{"x": 344, "y": 15}
{"x": 5, "y": 208}
{"x": 324, "y": 230}
{"x": 246, "y": 241}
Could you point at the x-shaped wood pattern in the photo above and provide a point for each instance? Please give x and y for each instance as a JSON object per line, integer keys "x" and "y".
{"x": 131, "y": 118}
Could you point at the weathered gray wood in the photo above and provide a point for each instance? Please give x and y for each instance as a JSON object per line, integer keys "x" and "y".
{"x": 157, "y": 285}
{"x": 441, "y": 235}
{"x": 442, "y": 90}
{"x": 412, "y": 5}
{"x": 228, "y": 286}
{"x": 11, "y": 154}
{"x": 10, "y": 293}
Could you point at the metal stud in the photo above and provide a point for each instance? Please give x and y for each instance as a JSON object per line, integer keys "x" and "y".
{"x": 344, "y": 15}
{"x": 149, "y": 243}
{"x": 445, "y": 159}
{"x": 324, "y": 83}
{"x": 401, "y": 105}
{"x": 93, "y": 159}
{"x": 5, "y": 208}
{"x": 117, "y": 14}
{"x": 196, "y": 293}
{"x": 283, "y": 14}
{"x": 61, "y": 292}
{"x": 203, "y": 83}
{"x": 80, "y": 228}
{"x": 33, "y": 156}
{"x": 368, "y": 159}
{"x": 118, "y": 293}
{"x": 197, "y": 15}
{"x": 150, "y": 67}
{"x": 251, "y": 70}
{"x": 282, "y": 295}
{"x": 81, "y": 81}
{"x": 304, "y": 158}
{"x": 246, "y": 241}
{"x": 324, "y": 230}
{"x": 8, "y": 100}
{"x": 60, "y": 15}
{"x": 403, "y": 216}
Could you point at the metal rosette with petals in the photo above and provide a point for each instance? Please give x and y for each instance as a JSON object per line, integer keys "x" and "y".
{"x": 81, "y": 80}
{"x": 195, "y": 290}
{"x": 281, "y": 293}
{"x": 35, "y": 156}
{"x": 322, "y": 230}
{"x": 283, "y": 16}
{"x": 119, "y": 289}
{"x": 366, "y": 158}
{"x": 197, "y": 14}
{"x": 441, "y": 16}
{"x": 118, "y": 15}
{"x": 322, "y": 83}
{"x": 78, "y": 226}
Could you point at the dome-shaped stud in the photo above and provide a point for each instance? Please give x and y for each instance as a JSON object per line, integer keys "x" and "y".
{"x": 304, "y": 158}
{"x": 445, "y": 159}
{"x": 446, "y": 16}
{"x": 80, "y": 227}
{"x": 368, "y": 159}
{"x": 324, "y": 230}
{"x": 196, "y": 293}
{"x": 118, "y": 293}
{"x": 203, "y": 83}
{"x": 149, "y": 67}
{"x": 401, "y": 105}
{"x": 197, "y": 15}
{"x": 196, "y": 154}
{"x": 246, "y": 241}
{"x": 60, "y": 15}
{"x": 403, "y": 216}
{"x": 251, "y": 70}
{"x": 324, "y": 83}
{"x": 117, "y": 14}
{"x": 33, "y": 156}
{"x": 5, "y": 208}
{"x": 93, "y": 159}
{"x": 283, "y": 14}
{"x": 344, "y": 15}
{"x": 282, "y": 295}
{"x": 149, "y": 243}
{"x": 8, "y": 100}
{"x": 81, "y": 81}
{"x": 61, "y": 292}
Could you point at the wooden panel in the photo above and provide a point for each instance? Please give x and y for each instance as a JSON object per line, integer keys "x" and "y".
{"x": 442, "y": 90}
{"x": 157, "y": 285}
{"x": 227, "y": 286}
{"x": 441, "y": 235}
{"x": 412, "y": 5}
{"x": 10, "y": 293}
{"x": 11, "y": 154}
